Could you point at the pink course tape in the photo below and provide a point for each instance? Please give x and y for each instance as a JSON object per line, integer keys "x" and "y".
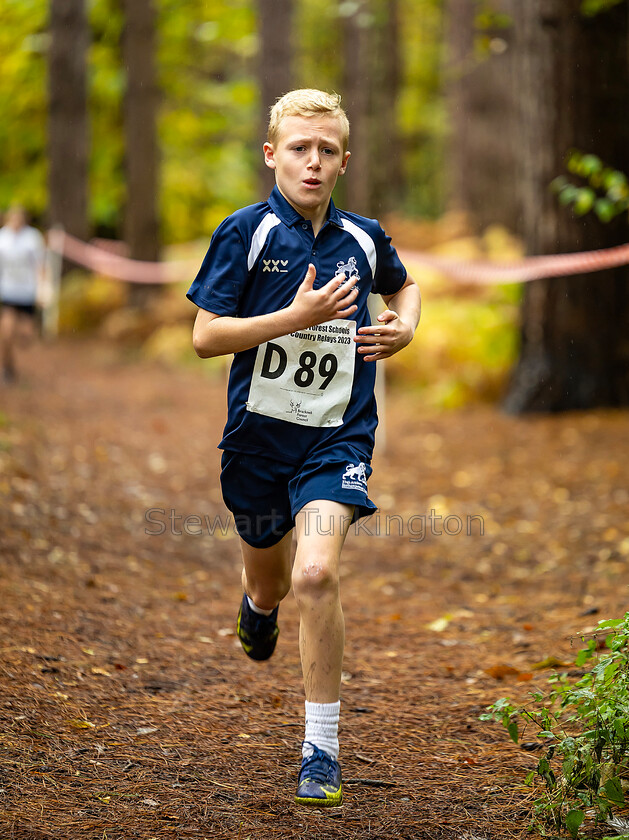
{"x": 115, "y": 266}
{"x": 482, "y": 272}
{"x": 486, "y": 272}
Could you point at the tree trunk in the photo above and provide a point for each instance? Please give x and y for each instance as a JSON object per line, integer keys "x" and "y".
{"x": 67, "y": 116}
{"x": 483, "y": 109}
{"x": 140, "y": 129}
{"x": 275, "y": 69}
{"x": 386, "y": 146}
{"x": 572, "y": 88}
{"x": 357, "y": 83}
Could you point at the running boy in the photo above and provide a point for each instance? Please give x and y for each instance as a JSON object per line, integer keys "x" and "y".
{"x": 284, "y": 286}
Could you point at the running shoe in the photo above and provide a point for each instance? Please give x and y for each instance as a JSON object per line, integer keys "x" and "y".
{"x": 319, "y": 781}
{"x": 257, "y": 633}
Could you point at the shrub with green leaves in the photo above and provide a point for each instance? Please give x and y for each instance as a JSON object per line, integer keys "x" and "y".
{"x": 584, "y": 726}
{"x": 605, "y": 192}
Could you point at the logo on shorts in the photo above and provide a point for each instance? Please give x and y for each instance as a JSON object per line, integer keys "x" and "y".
{"x": 355, "y": 477}
{"x": 349, "y": 269}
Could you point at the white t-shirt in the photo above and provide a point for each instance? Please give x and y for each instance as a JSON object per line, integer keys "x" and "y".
{"x": 21, "y": 259}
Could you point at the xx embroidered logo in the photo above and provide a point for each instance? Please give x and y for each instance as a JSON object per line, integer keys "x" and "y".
{"x": 275, "y": 265}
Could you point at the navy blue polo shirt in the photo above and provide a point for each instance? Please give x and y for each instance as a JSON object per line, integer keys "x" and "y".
{"x": 310, "y": 389}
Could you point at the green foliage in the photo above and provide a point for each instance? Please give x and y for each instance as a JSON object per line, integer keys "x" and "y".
{"x": 318, "y": 44}
{"x": 208, "y": 123}
{"x": 584, "y": 726}
{"x": 464, "y": 349}
{"x": 209, "y": 107}
{"x": 488, "y": 17}
{"x": 106, "y": 90}
{"x": 23, "y": 42}
{"x": 606, "y": 192}
{"x": 591, "y": 8}
{"x": 421, "y": 111}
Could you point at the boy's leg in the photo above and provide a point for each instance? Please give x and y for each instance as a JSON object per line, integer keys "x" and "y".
{"x": 25, "y": 328}
{"x": 266, "y": 580}
{"x": 254, "y": 490}
{"x": 321, "y": 528}
{"x": 8, "y": 325}
{"x": 266, "y": 573}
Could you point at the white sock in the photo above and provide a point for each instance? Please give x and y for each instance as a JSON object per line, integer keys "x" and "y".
{"x": 257, "y": 609}
{"x": 322, "y": 726}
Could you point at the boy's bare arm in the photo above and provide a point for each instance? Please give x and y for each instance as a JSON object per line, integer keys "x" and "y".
{"x": 218, "y": 335}
{"x": 396, "y": 327}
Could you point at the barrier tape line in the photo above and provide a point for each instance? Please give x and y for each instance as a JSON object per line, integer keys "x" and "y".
{"x": 487, "y": 272}
{"x": 481, "y": 272}
{"x": 116, "y": 266}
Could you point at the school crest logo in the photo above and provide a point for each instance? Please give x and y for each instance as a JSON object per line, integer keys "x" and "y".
{"x": 355, "y": 477}
{"x": 349, "y": 269}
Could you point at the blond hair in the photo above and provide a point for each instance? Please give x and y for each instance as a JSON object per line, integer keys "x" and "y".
{"x": 307, "y": 102}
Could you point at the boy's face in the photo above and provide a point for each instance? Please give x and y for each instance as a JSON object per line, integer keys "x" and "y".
{"x": 307, "y": 158}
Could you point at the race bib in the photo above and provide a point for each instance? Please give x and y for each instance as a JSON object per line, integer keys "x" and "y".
{"x": 305, "y": 377}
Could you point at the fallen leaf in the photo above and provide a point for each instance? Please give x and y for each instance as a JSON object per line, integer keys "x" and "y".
{"x": 439, "y": 624}
{"x": 80, "y": 723}
{"x": 550, "y": 662}
{"x": 499, "y": 672}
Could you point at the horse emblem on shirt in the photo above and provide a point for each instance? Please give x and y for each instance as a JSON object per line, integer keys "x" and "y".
{"x": 349, "y": 269}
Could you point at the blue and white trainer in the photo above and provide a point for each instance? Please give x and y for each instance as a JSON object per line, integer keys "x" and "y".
{"x": 319, "y": 781}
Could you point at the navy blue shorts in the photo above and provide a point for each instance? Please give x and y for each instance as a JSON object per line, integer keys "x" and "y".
{"x": 265, "y": 495}
{"x": 21, "y": 308}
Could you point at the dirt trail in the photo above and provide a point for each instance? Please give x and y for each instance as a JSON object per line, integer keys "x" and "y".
{"x": 127, "y": 709}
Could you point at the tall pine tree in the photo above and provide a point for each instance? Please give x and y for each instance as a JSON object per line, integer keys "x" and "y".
{"x": 67, "y": 117}
{"x": 572, "y": 92}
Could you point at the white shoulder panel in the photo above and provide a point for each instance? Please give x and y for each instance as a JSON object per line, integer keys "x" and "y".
{"x": 259, "y": 238}
{"x": 365, "y": 241}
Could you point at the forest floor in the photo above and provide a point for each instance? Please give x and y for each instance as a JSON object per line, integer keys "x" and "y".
{"x": 128, "y": 710}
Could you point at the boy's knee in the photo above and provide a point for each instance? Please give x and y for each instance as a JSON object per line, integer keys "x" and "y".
{"x": 313, "y": 578}
{"x": 268, "y": 593}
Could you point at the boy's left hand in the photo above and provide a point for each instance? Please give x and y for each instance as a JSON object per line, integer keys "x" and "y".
{"x": 384, "y": 339}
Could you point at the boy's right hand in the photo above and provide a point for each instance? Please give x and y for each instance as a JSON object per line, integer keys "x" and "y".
{"x": 334, "y": 300}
